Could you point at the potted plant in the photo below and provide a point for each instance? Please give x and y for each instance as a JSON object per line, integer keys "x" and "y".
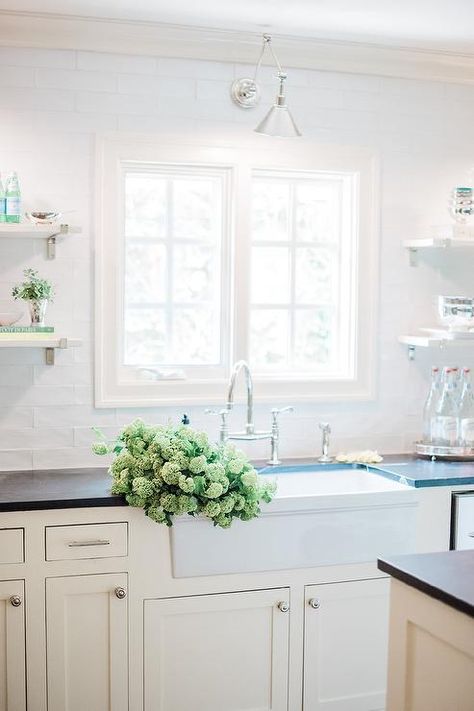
{"x": 37, "y": 292}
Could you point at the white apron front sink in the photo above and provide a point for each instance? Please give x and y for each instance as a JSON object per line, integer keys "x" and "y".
{"x": 321, "y": 515}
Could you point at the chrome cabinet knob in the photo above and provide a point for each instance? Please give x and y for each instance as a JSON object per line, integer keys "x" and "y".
{"x": 15, "y": 600}
{"x": 314, "y": 603}
{"x": 121, "y": 593}
{"x": 284, "y": 606}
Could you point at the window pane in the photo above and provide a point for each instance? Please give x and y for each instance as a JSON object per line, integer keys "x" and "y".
{"x": 312, "y": 318}
{"x": 270, "y": 210}
{"x": 195, "y": 274}
{"x": 316, "y": 212}
{"x": 145, "y": 336}
{"x": 176, "y": 278}
{"x": 314, "y": 277}
{"x": 313, "y": 338}
{"x": 145, "y": 266}
{"x": 196, "y": 336}
{"x": 195, "y": 213}
{"x": 145, "y": 205}
{"x": 269, "y": 338}
{"x": 270, "y": 275}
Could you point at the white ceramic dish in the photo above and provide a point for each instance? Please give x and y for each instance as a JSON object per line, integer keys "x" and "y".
{"x": 9, "y": 313}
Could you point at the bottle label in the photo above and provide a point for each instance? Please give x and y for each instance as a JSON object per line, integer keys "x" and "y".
{"x": 433, "y": 434}
{"x": 447, "y": 430}
{"x": 13, "y": 206}
{"x": 3, "y": 206}
{"x": 467, "y": 431}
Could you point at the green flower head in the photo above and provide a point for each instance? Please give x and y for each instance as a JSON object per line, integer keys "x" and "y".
{"x": 100, "y": 448}
{"x": 214, "y": 490}
{"x": 250, "y": 479}
{"x": 198, "y": 464}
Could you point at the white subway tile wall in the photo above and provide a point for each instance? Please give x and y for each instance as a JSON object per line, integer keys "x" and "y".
{"x": 52, "y": 103}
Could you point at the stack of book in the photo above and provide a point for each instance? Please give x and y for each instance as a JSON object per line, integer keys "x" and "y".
{"x": 25, "y": 332}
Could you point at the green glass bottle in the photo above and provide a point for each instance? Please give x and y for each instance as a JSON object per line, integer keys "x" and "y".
{"x": 3, "y": 207}
{"x": 13, "y": 198}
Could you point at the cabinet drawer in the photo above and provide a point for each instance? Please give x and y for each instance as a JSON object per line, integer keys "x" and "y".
{"x": 12, "y": 545}
{"x": 88, "y": 540}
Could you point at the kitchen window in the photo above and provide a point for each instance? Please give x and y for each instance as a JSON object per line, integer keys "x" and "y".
{"x": 208, "y": 254}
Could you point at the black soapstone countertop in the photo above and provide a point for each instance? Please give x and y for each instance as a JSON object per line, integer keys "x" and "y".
{"x": 447, "y": 576}
{"x": 57, "y": 489}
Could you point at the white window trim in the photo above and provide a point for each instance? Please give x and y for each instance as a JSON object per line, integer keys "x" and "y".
{"x": 256, "y": 152}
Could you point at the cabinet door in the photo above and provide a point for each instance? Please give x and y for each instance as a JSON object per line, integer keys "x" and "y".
{"x": 12, "y": 646}
{"x": 226, "y": 652}
{"x": 346, "y": 644}
{"x": 87, "y": 655}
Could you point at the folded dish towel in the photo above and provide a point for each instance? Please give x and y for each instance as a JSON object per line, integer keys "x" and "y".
{"x": 368, "y": 456}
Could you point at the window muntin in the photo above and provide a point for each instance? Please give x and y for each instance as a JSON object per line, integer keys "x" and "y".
{"x": 174, "y": 293}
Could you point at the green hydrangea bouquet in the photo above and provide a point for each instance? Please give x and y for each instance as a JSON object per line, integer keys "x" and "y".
{"x": 170, "y": 471}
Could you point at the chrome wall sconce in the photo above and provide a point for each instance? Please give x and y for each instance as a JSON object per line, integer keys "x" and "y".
{"x": 246, "y": 94}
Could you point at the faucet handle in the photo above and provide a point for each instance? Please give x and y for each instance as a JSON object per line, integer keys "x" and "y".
{"x": 325, "y": 427}
{"x": 223, "y": 429}
{"x": 276, "y": 411}
{"x": 223, "y": 413}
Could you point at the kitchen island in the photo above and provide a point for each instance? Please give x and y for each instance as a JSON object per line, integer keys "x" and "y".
{"x": 431, "y": 648}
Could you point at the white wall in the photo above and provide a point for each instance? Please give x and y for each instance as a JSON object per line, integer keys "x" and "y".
{"x": 51, "y": 105}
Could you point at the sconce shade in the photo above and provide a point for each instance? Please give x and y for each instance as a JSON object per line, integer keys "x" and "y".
{"x": 278, "y": 122}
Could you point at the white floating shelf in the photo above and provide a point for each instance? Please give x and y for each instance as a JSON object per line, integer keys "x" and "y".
{"x": 28, "y": 230}
{"x": 437, "y": 243}
{"x": 414, "y": 245}
{"x": 49, "y": 344}
{"x": 431, "y": 341}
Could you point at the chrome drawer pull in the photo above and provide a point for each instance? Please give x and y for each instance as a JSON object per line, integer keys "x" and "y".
{"x": 121, "y": 593}
{"x": 15, "y": 600}
{"x": 471, "y": 535}
{"x": 81, "y": 544}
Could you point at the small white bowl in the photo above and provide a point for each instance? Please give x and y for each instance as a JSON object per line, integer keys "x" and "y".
{"x": 43, "y": 218}
{"x": 9, "y": 313}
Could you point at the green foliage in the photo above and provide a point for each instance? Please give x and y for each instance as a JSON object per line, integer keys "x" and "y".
{"x": 34, "y": 288}
{"x": 170, "y": 471}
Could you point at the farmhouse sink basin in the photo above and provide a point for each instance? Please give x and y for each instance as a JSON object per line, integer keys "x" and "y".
{"x": 324, "y": 479}
{"x": 321, "y": 515}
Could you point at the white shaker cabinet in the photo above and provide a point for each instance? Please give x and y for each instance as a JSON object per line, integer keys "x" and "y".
{"x": 12, "y": 646}
{"x": 345, "y": 645}
{"x": 224, "y": 652}
{"x": 87, "y": 643}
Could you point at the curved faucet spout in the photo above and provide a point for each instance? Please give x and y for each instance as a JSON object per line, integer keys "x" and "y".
{"x": 242, "y": 365}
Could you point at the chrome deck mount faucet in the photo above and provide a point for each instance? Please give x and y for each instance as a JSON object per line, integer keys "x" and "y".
{"x": 249, "y": 433}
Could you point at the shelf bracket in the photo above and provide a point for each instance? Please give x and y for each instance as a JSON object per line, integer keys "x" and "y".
{"x": 50, "y": 354}
{"x": 51, "y": 241}
{"x": 413, "y": 256}
{"x": 51, "y": 247}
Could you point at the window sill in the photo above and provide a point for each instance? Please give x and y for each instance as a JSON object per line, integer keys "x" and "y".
{"x": 166, "y": 394}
